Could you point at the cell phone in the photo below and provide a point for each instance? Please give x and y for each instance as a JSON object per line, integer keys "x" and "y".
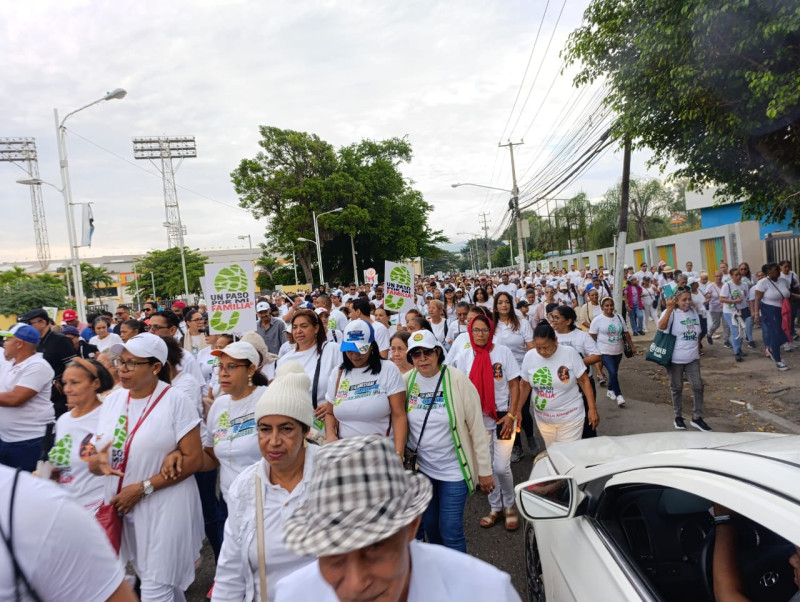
{"x": 499, "y": 428}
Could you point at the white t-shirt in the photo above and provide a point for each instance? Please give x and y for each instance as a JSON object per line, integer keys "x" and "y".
{"x": 504, "y": 369}
{"x": 515, "y": 341}
{"x": 714, "y": 305}
{"x": 509, "y": 288}
{"x": 29, "y": 420}
{"x": 774, "y": 292}
{"x": 731, "y": 290}
{"x": 438, "y": 330}
{"x": 699, "y": 300}
{"x": 334, "y": 336}
{"x": 231, "y": 431}
{"x": 790, "y": 279}
{"x": 454, "y": 330}
{"x": 686, "y": 328}
{"x": 580, "y": 341}
{"x": 555, "y": 396}
{"x": 70, "y": 455}
{"x": 437, "y": 455}
{"x": 109, "y": 341}
{"x": 609, "y": 333}
{"x": 60, "y": 547}
{"x": 331, "y": 358}
{"x": 337, "y": 320}
{"x": 164, "y": 532}
{"x": 361, "y": 401}
{"x": 381, "y": 336}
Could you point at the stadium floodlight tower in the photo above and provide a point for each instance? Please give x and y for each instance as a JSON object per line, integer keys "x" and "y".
{"x": 22, "y": 153}
{"x": 165, "y": 148}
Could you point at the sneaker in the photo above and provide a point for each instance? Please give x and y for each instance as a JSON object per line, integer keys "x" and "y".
{"x": 602, "y": 382}
{"x": 738, "y": 357}
{"x": 611, "y": 395}
{"x": 727, "y": 345}
{"x": 680, "y": 423}
{"x": 710, "y": 340}
{"x": 700, "y": 424}
{"x": 620, "y": 401}
{"x": 781, "y": 366}
{"x": 517, "y": 454}
{"x": 742, "y": 353}
{"x": 789, "y": 347}
{"x": 751, "y": 344}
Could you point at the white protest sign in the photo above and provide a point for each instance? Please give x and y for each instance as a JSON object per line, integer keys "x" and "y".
{"x": 399, "y": 288}
{"x": 228, "y": 289}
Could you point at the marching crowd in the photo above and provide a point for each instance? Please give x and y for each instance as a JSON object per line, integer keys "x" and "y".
{"x": 318, "y": 452}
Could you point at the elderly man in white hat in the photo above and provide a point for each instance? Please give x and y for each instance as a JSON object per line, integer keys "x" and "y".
{"x": 359, "y": 519}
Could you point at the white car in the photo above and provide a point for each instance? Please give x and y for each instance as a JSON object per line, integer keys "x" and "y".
{"x": 630, "y": 518}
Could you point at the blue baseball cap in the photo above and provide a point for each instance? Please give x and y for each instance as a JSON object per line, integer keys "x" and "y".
{"x": 358, "y": 336}
{"x": 23, "y": 332}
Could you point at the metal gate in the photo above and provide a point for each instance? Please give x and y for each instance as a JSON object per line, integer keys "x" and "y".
{"x": 783, "y": 246}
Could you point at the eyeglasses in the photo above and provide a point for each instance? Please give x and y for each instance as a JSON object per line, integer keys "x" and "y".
{"x": 199, "y": 319}
{"x": 480, "y": 331}
{"x": 147, "y": 309}
{"x": 156, "y": 327}
{"x": 129, "y": 365}
{"x": 228, "y": 368}
{"x": 419, "y": 351}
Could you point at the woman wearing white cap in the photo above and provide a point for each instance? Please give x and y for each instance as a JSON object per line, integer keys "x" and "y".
{"x": 267, "y": 492}
{"x": 367, "y": 392}
{"x": 138, "y": 426}
{"x": 448, "y": 436}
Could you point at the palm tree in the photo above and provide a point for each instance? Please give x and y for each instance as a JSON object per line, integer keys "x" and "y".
{"x": 95, "y": 278}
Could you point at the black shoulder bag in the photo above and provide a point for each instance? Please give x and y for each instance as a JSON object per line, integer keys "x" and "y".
{"x": 315, "y": 387}
{"x": 409, "y": 455}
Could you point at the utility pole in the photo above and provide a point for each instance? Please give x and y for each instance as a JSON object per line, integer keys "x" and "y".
{"x": 485, "y": 227}
{"x": 515, "y": 206}
{"x": 622, "y": 235}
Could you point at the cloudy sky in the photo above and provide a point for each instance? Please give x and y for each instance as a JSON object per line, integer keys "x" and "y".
{"x": 443, "y": 73}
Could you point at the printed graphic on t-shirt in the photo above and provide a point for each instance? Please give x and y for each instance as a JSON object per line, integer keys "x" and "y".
{"x": 421, "y": 401}
{"x": 118, "y": 446}
{"x": 542, "y": 384}
{"x": 563, "y": 374}
{"x": 332, "y": 324}
{"x": 614, "y": 333}
{"x": 59, "y": 458}
{"x": 691, "y": 325}
{"x": 357, "y": 391}
{"x": 497, "y": 371}
{"x": 228, "y": 430}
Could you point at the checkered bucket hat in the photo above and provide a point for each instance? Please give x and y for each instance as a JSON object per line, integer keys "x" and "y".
{"x": 359, "y": 494}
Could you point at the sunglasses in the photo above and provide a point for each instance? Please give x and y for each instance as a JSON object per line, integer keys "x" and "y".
{"x": 419, "y": 351}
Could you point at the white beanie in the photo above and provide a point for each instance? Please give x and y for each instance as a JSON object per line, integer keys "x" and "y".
{"x": 288, "y": 395}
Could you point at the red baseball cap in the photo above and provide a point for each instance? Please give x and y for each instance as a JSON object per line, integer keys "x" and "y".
{"x": 179, "y": 305}
{"x": 69, "y": 315}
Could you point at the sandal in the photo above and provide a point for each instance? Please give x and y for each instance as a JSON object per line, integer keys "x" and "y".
{"x": 512, "y": 519}
{"x": 490, "y": 519}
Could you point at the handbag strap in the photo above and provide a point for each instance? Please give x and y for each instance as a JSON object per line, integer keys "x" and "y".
{"x": 442, "y": 370}
{"x": 139, "y": 423}
{"x": 315, "y": 387}
{"x": 779, "y": 290}
{"x": 19, "y": 575}
{"x": 262, "y": 561}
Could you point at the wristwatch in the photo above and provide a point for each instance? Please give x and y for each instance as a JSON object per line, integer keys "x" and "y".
{"x": 147, "y": 487}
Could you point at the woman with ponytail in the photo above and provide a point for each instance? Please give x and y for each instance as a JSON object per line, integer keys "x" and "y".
{"x": 494, "y": 371}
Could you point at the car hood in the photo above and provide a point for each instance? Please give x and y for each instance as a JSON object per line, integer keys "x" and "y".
{"x": 577, "y": 455}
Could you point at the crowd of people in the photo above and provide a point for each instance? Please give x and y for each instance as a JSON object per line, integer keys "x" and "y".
{"x": 284, "y": 447}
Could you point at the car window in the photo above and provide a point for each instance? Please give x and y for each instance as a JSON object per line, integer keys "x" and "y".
{"x": 668, "y": 535}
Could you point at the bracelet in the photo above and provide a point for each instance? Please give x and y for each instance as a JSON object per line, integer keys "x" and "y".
{"x": 725, "y": 518}
{"x": 511, "y": 415}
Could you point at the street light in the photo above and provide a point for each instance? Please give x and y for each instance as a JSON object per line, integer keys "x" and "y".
{"x": 316, "y": 235}
{"x": 61, "y": 138}
{"x": 249, "y": 240}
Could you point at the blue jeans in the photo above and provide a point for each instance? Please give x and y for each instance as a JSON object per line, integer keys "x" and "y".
{"x": 21, "y": 454}
{"x": 207, "y": 486}
{"x": 774, "y": 336}
{"x": 636, "y": 316}
{"x": 611, "y": 364}
{"x": 737, "y": 338}
{"x": 443, "y": 519}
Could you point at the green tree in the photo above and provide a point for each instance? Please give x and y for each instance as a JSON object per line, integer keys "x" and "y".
{"x": 445, "y": 261}
{"x": 27, "y": 293}
{"x": 95, "y": 279}
{"x": 710, "y": 85}
{"x": 501, "y": 257}
{"x": 168, "y": 273}
{"x": 15, "y": 274}
{"x": 297, "y": 173}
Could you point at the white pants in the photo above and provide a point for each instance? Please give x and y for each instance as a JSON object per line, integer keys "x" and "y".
{"x": 502, "y": 496}
{"x": 161, "y": 592}
{"x": 568, "y": 431}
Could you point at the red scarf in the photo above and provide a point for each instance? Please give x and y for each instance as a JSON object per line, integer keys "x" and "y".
{"x": 481, "y": 374}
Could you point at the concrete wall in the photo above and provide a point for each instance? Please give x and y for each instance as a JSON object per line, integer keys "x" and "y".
{"x": 742, "y": 243}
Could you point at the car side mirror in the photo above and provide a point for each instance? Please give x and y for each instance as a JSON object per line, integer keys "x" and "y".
{"x": 548, "y": 498}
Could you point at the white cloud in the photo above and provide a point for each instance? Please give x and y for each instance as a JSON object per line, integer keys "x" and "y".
{"x": 445, "y": 74}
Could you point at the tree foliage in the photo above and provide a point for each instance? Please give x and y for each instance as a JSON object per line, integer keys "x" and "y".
{"x": 711, "y": 85}
{"x": 23, "y": 294}
{"x": 168, "y": 273}
{"x": 297, "y": 173}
